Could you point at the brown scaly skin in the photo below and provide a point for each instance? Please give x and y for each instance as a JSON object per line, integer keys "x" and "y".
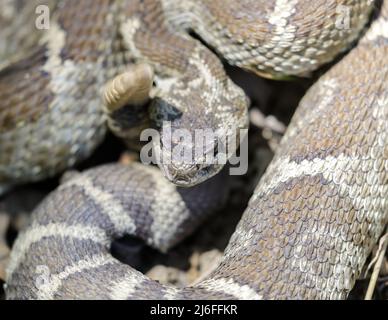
{"x": 51, "y": 104}
{"x": 50, "y": 101}
{"x": 306, "y": 233}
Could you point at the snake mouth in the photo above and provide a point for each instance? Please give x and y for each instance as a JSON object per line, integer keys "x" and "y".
{"x": 187, "y": 172}
{"x": 181, "y": 182}
{"x": 182, "y": 177}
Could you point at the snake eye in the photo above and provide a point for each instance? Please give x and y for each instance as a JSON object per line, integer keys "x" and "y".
{"x": 206, "y": 169}
{"x": 215, "y": 149}
{"x": 161, "y": 110}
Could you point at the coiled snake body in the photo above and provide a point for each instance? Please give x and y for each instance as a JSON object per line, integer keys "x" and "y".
{"x": 315, "y": 214}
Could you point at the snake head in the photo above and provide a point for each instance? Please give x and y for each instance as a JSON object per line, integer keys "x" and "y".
{"x": 186, "y": 164}
{"x": 196, "y": 130}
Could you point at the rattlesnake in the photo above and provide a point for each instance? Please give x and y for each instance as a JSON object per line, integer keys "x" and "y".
{"x": 315, "y": 214}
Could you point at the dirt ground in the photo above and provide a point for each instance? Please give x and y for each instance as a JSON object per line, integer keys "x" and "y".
{"x": 273, "y": 104}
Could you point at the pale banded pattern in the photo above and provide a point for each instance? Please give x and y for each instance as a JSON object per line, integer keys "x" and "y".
{"x": 61, "y": 136}
{"x": 378, "y": 29}
{"x": 382, "y": 102}
{"x": 55, "y": 40}
{"x": 286, "y": 246}
{"x": 284, "y": 32}
{"x": 123, "y": 288}
{"x": 205, "y": 78}
{"x": 169, "y": 203}
{"x": 35, "y": 233}
{"x": 126, "y": 18}
{"x": 332, "y": 169}
{"x": 179, "y": 14}
{"x": 326, "y": 90}
{"x": 123, "y": 282}
{"x": 283, "y": 10}
{"x": 171, "y": 293}
{"x": 230, "y": 287}
{"x": 110, "y": 206}
{"x": 47, "y": 291}
{"x": 56, "y": 102}
{"x": 245, "y": 240}
{"x": 128, "y": 30}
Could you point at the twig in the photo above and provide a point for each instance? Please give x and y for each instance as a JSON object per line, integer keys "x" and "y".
{"x": 259, "y": 120}
{"x": 376, "y": 270}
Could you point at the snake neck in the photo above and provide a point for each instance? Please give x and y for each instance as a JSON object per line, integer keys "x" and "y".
{"x": 192, "y": 91}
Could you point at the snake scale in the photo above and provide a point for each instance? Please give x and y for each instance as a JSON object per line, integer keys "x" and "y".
{"x": 315, "y": 214}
